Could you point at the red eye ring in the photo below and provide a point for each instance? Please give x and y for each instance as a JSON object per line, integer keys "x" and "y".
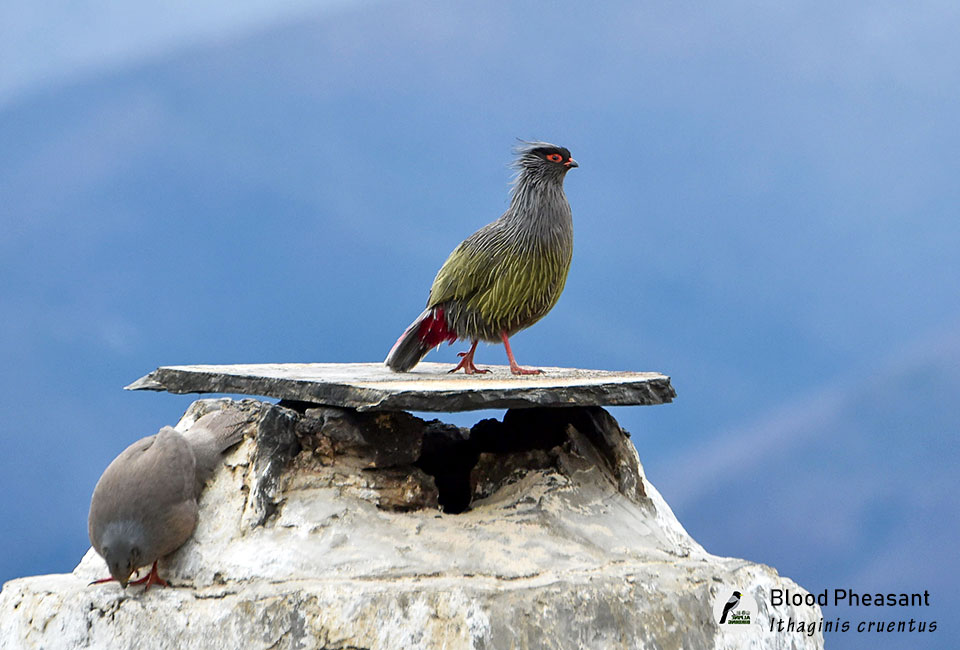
{"x": 554, "y": 157}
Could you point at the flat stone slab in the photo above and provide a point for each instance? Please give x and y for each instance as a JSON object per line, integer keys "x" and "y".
{"x": 429, "y": 387}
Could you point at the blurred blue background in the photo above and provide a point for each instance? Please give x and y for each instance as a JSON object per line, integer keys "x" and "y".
{"x": 766, "y": 210}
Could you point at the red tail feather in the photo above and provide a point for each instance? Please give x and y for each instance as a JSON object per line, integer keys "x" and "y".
{"x": 428, "y": 331}
{"x": 434, "y": 330}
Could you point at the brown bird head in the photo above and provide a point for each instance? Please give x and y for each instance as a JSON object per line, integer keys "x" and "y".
{"x": 122, "y": 552}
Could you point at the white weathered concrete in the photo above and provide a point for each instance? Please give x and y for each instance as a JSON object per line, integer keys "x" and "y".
{"x": 558, "y": 557}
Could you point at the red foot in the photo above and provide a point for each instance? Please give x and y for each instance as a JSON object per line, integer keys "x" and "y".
{"x": 517, "y": 370}
{"x": 152, "y": 578}
{"x": 466, "y": 362}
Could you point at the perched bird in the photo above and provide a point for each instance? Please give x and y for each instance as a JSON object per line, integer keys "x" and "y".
{"x": 733, "y": 602}
{"x": 145, "y": 505}
{"x": 507, "y": 275}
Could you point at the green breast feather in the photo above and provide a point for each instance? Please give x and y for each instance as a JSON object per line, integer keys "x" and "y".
{"x": 497, "y": 282}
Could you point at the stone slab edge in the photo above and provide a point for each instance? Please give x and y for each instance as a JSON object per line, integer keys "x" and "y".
{"x": 621, "y": 389}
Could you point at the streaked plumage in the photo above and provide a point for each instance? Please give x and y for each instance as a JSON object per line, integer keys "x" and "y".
{"x": 507, "y": 275}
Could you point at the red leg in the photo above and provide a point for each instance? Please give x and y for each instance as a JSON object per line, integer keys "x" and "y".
{"x": 466, "y": 361}
{"x": 152, "y": 578}
{"x": 514, "y": 366}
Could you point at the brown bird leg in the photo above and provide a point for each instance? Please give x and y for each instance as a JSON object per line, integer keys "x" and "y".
{"x": 466, "y": 361}
{"x": 514, "y": 366}
{"x": 152, "y": 578}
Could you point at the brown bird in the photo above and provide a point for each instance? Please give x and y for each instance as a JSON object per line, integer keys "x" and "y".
{"x": 145, "y": 505}
{"x": 507, "y": 275}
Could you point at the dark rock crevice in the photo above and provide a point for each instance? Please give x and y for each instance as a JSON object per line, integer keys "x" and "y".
{"x": 413, "y": 464}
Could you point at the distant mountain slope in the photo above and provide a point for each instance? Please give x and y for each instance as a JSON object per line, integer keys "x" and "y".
{"x": 93, "y": 36}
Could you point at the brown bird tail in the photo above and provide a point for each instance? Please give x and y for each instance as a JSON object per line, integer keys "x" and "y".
{"x": 213, "y": 434}
{"x": 225, "y": 427}
{"x": 429, "y": 330}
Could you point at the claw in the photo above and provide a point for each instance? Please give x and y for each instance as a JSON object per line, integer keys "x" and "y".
{"x": 466, "y": 362}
